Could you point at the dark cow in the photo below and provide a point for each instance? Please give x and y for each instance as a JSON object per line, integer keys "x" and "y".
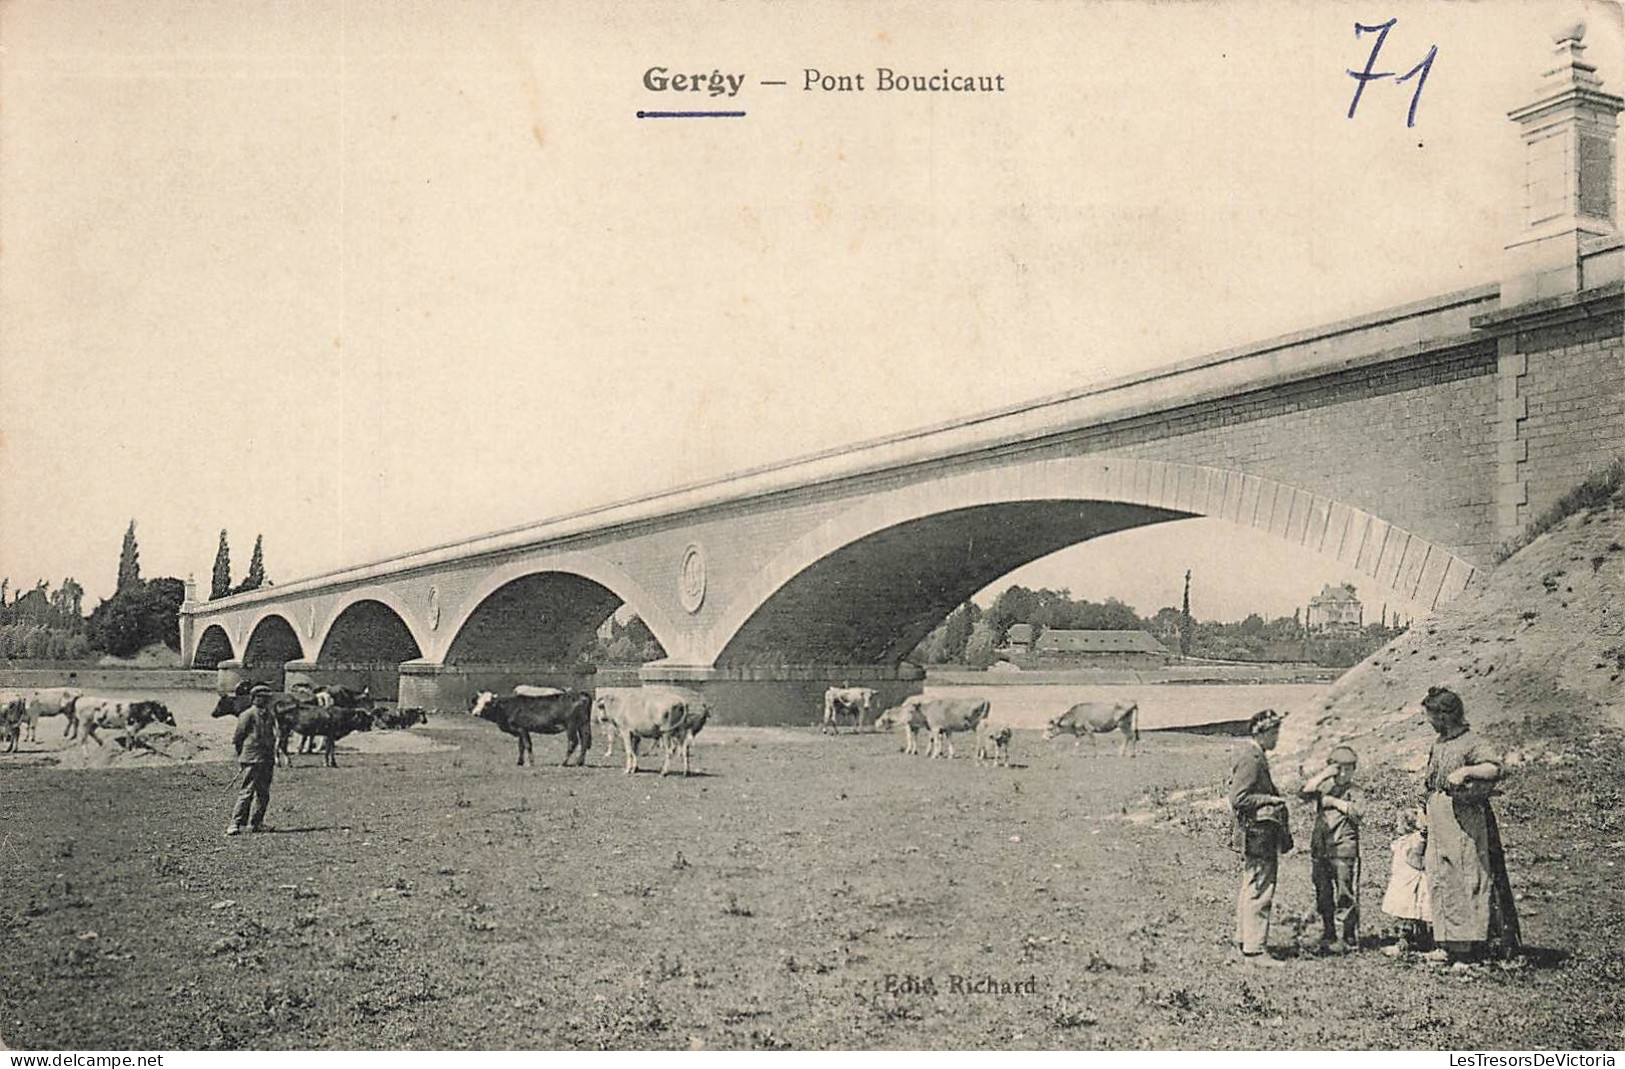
{"x": 330, "y": 724}
{"x": 671, "y": 714}
{"x": 845, "y": 701}
{"x": 393, "y": 718}
{"x": 544, "y": 710}
{"x": 116, "y": 713}
{"x": 1098, "y": 718}
{"x": 941, "y": 717}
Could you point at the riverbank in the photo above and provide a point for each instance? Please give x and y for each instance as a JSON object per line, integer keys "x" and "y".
{"x": 1218, "y": 674}
{"x": 92, "y": 676}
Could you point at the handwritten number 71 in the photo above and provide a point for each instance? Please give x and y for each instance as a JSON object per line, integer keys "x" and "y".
{"x": 1419, "y": 72}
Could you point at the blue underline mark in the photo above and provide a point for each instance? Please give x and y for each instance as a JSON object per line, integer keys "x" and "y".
{"x": 691, "y": 115}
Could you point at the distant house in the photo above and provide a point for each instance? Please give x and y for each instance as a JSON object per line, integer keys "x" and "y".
{"x": 1082, "y": 649}
{"x": 1335, "y": 608}
{"x": 1019, "y": 639}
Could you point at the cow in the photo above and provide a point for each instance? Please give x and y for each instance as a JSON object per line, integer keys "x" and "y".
{"x": 285, "y": 708}
{"x": 545, "y": 710}
{"x": 116, "y": 713}
{"x": 941, "y": 717}
{"x": 13, "y": 714}
{"x": 329, "y": 723}
{"x": 50, "y": 701}
{"x": 993, "y": 742}
{"x": 393, "y": 718}
{"x": 671, "y": 714}
{"x": 906, "y": 716}
{"x": 845, "y": 701}
{"x": 1098, "y": 718}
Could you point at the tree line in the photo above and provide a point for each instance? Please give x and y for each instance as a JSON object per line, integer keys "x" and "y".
{"x": 46, "y": 624}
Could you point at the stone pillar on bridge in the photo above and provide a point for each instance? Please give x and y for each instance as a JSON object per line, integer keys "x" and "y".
{"x": 783, "y": 694}
{"x": 430, "y": 685}
{"x": 1569, "y": 179}
{"x": 1567, "y": 248}
{"x": 228, "y": 674}
{"x": 383, "y": 680}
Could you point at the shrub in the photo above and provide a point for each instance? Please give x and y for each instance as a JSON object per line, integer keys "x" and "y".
{"x": 1598, "y": 489}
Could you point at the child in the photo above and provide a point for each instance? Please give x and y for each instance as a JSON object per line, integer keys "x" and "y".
{"x": 1407, "y": 894}
{"x": 1334, "y": 851}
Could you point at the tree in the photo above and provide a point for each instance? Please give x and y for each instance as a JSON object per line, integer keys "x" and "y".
{"x": 1185, "y": 619}
{"x": 220, "y": 581}
{"x": 256, "y": 568}
{"x": 979, "y": 647}
{"x": 958, "y": 630}
{"x": 129, "y": 562}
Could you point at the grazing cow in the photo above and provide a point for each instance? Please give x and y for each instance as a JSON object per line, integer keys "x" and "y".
{"x": 993, "y": 742}
{"x": 13, "y": 714}
{"x": 671, "y": 714}
{"x": 115, "y": 713}
{"x": 50, "y": 701}
{"x": 845, "y": 701}
{"x": 394, "y": 718}
{"x": 906, "y": 716}
{"x": 1098, "y": 718}
{"x": 313, "y": 721}
{"x": 545, "y": 710}
{"x": 941, "y": 717}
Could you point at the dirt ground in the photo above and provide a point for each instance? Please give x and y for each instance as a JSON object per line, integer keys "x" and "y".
{"x": 449, "y": 899}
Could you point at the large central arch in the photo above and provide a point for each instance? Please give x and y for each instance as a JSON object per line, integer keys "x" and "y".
{"x": 867, "y": 584}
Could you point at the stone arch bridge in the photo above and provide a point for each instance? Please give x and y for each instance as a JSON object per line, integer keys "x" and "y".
{"x": 1405, "y": 444}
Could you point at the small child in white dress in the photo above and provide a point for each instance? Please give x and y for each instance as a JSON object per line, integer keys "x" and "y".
{"x": 1407, "y": 895}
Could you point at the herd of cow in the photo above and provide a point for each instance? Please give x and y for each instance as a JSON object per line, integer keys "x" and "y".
{"x": 671, "y": 716}
{"x": 83, "y": 715}
{"x": 942, "y": 718}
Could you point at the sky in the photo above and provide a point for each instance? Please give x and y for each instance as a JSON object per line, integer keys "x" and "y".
{"x": 364, "y": 276}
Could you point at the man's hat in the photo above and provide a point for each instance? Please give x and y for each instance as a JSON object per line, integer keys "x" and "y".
{"x": 1342, "y": 755}
{"x": 259, "y": 688}
{"x": 1265, "y": 719}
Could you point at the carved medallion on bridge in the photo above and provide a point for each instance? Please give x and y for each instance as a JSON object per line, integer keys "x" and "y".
{"x": 691, "y": 583}
{"x": 434, "y": 608}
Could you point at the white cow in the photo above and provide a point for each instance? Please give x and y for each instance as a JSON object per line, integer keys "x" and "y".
{"x": 671, "y": 714}
{"x": 1098, "y": 718}
{"x": 845, "y": 701}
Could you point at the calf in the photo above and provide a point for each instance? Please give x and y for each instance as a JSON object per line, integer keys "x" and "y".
{"x": 545, "y": 710}
{"x": 845, "y": 701}
{"x": 993, "y": 742}
{"x": 671, "y": 714}
{"x": 1098, "y": 718}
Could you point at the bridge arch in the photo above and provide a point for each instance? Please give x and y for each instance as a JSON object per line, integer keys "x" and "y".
{"x": 372, "y": 626}
{"x": 271, "y": 639}
{"x": 867, "y": 584}
{"x": 553, "y": 609}
{"x": 213, "y": 646}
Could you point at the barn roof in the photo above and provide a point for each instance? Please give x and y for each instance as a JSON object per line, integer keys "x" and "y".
{"x": 1099, "y": 642}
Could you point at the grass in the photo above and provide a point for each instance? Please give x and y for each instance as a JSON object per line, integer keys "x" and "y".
{"x": 451, "y": 900}
{"x": 1598, "y": 490}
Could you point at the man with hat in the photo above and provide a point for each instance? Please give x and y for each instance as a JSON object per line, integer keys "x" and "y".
{"x": 255, "y": 743}
{"x": 1260, "y": 833}
{"x": 1334, "y": 850}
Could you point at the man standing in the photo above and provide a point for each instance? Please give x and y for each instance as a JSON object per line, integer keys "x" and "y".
{"x": 255, "y": 743}
{"x": 1260, "y": 833}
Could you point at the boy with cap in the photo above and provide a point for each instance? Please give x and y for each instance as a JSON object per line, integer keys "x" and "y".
{"x": 1334, "y": 850}
{"x": 1260, "y": 833}
{"x": 255, "y": 743}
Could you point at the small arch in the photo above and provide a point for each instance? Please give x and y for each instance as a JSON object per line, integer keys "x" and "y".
{"x": 367, "y": 631}
{"x": 623, "y": 590}
{"x": 386, "y": 599}
{"x": 272, "y": 640}
{"x": 213, "y": 646}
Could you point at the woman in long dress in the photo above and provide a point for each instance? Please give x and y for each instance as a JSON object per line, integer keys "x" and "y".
{"x": 1468, "y": 888}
